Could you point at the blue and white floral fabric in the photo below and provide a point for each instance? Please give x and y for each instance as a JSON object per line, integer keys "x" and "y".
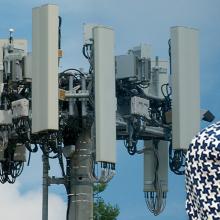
{"x": 203, "y": 175}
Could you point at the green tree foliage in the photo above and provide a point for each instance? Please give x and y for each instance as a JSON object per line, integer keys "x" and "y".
{"x": 103, "y": 211}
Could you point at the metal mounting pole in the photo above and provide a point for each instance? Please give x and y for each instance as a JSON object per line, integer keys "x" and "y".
{"x": 45, "y": 187}
{"x": 81, "y": 186}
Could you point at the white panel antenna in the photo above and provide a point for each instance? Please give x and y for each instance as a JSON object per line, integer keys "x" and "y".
{"x": 105, "y": 101}
{"x": 185, "y": 86}
{"x": 151, "y": 158}
{"x": 45, "y": 69}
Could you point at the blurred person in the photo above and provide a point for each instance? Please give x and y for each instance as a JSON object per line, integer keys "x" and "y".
{"x": 202, "y": 173}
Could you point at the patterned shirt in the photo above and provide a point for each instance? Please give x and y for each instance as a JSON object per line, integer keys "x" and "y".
{"x": 203, "y": 175}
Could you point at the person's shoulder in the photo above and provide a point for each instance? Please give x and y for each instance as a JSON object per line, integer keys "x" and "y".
{"x": 211, "y": 128}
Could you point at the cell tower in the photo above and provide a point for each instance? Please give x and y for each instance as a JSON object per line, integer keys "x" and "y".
{"x": 76, "y": 116}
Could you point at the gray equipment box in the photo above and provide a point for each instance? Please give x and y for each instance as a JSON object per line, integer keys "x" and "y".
{"x": 20, "y": 153}
{"x": 3, "y": 145}
{"x": 133, "y": 68}
{"x": 140, "y": 107}
{"x": 126, "y": 66}
{"x": 5, "y": 117}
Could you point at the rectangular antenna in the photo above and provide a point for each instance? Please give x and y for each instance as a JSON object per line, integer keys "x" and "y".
{"x": 105, "y": 101}
{"x": 151, "y": 158}
{"x": 45, "y": 69}
{"x": 185, "y": 86}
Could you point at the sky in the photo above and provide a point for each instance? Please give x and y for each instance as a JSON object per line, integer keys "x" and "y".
{"x": 134, "y": 22}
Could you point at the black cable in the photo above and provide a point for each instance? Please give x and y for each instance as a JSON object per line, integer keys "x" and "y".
{"x": 167, "y": 104}
{"x": 170, "y": 56}
{"x": 177, "y": 161}
{"x": 59, "y": 32}
{"x": 29, "y": 158}
{"x": 68, "y": 186}
{"x": 85, "y": 51}
{"x": 132, "y": 150}
{"x": 16, "y": 168}
{"x": 60, "y": 158}
{"x": 71, "y": 69}
{"x": 50, "y": 143}
{"x": 47, "y": 152}
{"x": 30, "y": 149}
